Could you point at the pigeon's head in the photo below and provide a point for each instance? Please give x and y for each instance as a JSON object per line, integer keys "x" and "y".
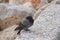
{"x": 30, "y": 18}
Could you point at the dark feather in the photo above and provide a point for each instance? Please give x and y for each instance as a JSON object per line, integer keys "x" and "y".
{"x": 25, "y": 24}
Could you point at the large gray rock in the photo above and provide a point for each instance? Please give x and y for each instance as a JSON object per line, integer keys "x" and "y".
{"x": 46, "y": 26}
{"x": 8, "y": 10}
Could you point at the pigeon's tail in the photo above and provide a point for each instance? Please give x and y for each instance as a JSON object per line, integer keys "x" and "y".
{"x": 17, "y": 28}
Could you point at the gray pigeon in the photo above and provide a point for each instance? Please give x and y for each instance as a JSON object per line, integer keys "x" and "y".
{"x": 25, "y": 24}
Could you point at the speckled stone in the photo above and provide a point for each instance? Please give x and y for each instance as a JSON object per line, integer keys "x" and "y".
{"x": 46, "y": 26}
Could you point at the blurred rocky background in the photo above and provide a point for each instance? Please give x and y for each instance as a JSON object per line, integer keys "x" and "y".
{"x": 46, "y": 14}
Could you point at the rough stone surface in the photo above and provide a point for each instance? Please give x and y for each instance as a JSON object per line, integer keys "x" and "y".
{"x": 46, "y": 26}
{"x": 8, "y": 10}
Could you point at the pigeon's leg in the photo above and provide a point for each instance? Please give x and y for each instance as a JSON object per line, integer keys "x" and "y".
{"x": 19, "y": 32}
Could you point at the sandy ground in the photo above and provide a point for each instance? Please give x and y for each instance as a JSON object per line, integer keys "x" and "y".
{"x": 8, "y": 34}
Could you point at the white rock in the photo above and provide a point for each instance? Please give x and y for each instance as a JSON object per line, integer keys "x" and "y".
{"x": 46, "y": 26}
